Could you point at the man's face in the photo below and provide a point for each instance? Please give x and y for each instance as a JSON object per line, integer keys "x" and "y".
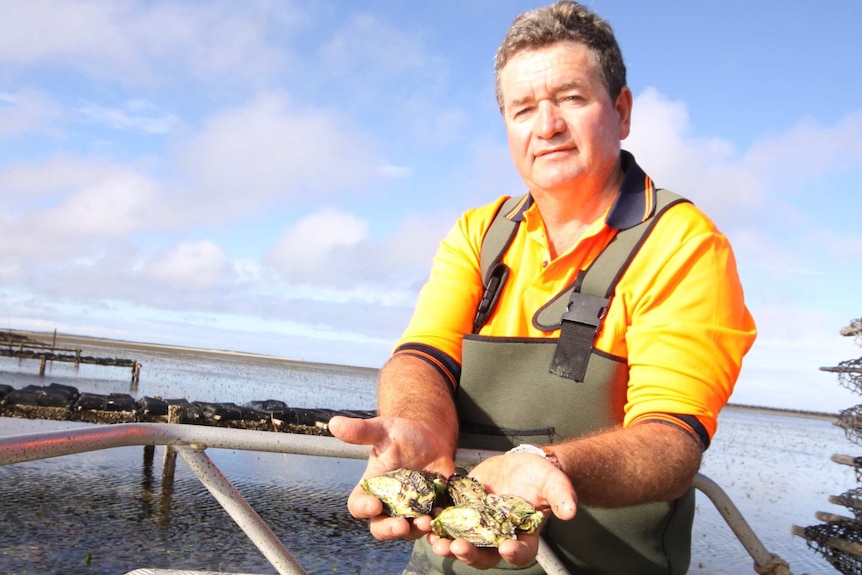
{"x": 564, "y": 130}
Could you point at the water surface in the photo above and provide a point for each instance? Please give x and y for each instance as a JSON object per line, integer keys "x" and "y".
{"x": 107, "y": 512}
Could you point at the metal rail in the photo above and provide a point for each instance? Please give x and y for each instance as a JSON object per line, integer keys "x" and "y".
{"x": 191, "y": 441}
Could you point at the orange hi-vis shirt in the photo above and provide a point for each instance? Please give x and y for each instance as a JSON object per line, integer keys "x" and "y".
{"x": 677, "y": 315}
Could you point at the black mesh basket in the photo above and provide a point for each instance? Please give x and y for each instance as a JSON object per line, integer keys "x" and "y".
{"x": 850, "y": 420}
{"x": 839, "y": 542}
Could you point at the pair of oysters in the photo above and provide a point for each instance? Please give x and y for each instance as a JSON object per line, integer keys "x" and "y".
{"x": 468, "y": 511}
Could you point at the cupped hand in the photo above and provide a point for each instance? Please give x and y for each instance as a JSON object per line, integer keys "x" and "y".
{"x": 529, "y": 476}
{"x": 395, "y": 443}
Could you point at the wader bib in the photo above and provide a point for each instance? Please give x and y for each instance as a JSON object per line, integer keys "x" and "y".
{"x": 535, "y": 390}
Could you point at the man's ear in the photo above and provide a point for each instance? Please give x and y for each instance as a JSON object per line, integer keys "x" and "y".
{"x": 623, "y": 106}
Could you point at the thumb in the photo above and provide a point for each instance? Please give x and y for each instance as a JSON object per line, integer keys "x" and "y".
{"x": 356, "y": 431}
{"x": 560, "y": 495}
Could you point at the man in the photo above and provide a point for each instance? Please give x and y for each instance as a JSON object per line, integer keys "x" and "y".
{"x": 618, "y": 392}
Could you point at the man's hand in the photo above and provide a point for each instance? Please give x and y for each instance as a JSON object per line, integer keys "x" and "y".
{"x": 529, "y": 476}
{"x": 395, "y": 443}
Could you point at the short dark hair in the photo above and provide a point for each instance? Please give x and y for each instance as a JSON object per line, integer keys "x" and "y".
{"x": 564, "y": 21}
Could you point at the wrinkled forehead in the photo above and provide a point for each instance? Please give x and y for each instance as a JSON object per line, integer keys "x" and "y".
{"x": 552, "y": 66}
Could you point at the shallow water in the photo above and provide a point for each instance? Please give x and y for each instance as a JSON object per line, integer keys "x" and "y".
{"x": 106, "y": 512}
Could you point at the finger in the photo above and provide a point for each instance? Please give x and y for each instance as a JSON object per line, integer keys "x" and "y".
{"x": 423, "y": 523}
{"x": 483, "y": 558}
{"x": 385, "y": 528}
{"x": 363, "y": 506}
{"x": 519, "y": 553}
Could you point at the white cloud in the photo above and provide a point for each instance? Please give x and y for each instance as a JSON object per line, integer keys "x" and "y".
{"x": 59, "y": 173}
{"x": 139, "y": 115}
{"x": 136, "y": 42}
{"x": 808, "y": 150}
{"x": 113, "y": 207}
{"x": 733, "y": 185}
{"x": 310, "y": 246}
{"x": 267, "y": 153}
{"x": 783, "y": 367}
{"x": 54, "y": 208}
{"x": 398, "y": 172}
{"x": 27, "y": 110}
{"x": 190, "y": 266}
{"x": 367, "y": 45}
{"x": 706, "y": 170}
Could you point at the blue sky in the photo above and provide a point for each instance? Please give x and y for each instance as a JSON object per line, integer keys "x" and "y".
{"x": 274, "y": 177}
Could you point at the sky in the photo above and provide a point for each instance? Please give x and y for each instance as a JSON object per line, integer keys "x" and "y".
{"x": 274, "y": 176}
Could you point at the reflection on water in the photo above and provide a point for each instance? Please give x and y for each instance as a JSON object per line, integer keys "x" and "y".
{"x": 108, "y": 512}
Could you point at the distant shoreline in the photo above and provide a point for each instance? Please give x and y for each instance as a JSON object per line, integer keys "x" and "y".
{"x": 65, "y": 339}
{"x": 802, "y": 412}
{"x": 106, "y": 342}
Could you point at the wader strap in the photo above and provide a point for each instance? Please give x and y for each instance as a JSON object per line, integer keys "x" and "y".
{"x": 590, "y": 297}
{"x": 578, "y": 329}
{"x": 494, "y": 272}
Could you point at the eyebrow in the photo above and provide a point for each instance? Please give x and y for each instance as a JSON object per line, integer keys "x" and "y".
{"x": 573, "y": 84}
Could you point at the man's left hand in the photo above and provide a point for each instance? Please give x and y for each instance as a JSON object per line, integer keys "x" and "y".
{"x": 529, "y": 476}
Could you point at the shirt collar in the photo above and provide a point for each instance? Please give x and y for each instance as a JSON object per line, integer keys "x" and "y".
{"x": 634, "y": 203}
{"x": 636, "y": 200}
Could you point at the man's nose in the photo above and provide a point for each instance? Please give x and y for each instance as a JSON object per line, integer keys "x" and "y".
{"x": 549, "y": 121}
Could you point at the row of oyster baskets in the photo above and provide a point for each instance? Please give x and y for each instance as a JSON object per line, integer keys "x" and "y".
{"x": 838, "y": 538}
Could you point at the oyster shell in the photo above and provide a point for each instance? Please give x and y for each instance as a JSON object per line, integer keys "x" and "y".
{"x": 406, "y": 492}
{"x": 484, "y": 519}
{"x": 482, "y": 526}
{"x": 464, "y": 490}
{"x": 518, "y": 510}
{"x": 469, "y": 511}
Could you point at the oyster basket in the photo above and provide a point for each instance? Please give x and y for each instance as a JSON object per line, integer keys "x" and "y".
{"x": 839, "y": 542}
{"x": 838, "y": 539}
{"x": 852, "y": 500}
{"x": 850, "y": 420}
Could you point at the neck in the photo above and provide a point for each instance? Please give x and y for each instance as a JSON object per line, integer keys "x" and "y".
{"x": 567, "y": 213}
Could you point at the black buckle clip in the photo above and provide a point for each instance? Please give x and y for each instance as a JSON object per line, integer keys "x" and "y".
{"x": 586, "y": 309}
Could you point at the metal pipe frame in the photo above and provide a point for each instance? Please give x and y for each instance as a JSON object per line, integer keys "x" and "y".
{"x": 191, "y": 441}
{"x": 734, "y": 519}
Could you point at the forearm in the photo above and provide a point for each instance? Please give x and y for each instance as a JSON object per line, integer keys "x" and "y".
{"x": 410, "y": 388}
{"x": 620, "y": 467}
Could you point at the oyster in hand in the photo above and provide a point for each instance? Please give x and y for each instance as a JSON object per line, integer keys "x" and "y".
{"x": 518, "y": 510}
{"x": 482, "y": 526}
{"x": 484, "y": 519}
{"x": 406, "y": 492}
{"x": 464, "y": 490}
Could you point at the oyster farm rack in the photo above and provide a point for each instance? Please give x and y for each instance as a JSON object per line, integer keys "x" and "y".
{"x": 839, "y": 538}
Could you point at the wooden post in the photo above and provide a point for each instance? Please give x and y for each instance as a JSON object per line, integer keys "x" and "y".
{"x": 54, "y": 341}
{"x": 169, "y": 465}
{"x": 42, "y": 367}
{"x": 136, "y": 376}
{"x": 149, "y": 455}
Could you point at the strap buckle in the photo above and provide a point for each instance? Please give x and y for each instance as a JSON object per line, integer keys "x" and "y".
{"x": 586, "y": 309}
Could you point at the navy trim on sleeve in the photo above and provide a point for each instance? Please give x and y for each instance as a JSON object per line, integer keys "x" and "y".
{"x": 447, "y": 366}
{"x": 697, "y": 426}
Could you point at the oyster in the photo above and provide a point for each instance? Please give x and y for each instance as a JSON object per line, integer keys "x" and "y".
{"x": 483, "y": 526}
{"x": 518, "y": 510}
{"x": 464, "y": 490}
{"x": 406, "y": 492}
{"x": 484, "y": 519}
{"x": 469, "y": 511}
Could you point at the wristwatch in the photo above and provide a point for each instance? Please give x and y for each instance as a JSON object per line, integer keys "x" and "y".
{"x": 543, "y": 451}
